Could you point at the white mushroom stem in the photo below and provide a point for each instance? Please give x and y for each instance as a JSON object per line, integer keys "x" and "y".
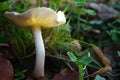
{"x": 40, "y": 53}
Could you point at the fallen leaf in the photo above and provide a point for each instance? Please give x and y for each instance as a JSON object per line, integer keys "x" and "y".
{"x": 43, "y": 78}
{"x": 6, "y": 69}
{"x": 29, "y": 78}
{"x": 66, "y": 74}
{"x": 104, "y": 12}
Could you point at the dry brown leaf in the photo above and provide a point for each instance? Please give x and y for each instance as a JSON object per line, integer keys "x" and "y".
{"x": 104, "y": 12}
{"x": 6, "y": 69}
{"x": 66, "y": 74}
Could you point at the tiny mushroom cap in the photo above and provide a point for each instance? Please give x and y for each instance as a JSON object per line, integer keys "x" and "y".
{"x": 36, "y": 19}
{"x": 41, "y": 17}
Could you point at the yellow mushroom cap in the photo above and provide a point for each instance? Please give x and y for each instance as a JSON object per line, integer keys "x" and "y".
{"x": 37, "y": 17}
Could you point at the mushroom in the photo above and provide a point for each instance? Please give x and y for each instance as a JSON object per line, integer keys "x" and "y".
{"x": 36, "y": 19}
